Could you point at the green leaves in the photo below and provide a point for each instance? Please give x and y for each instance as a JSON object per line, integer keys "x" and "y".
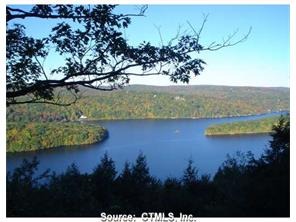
{"x": 93, "y": 52}
{"x": 35, "y": 136}
{"x": 264, "y": 125}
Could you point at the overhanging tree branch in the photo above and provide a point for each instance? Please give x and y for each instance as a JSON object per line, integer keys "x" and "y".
{"x": 94, "y": 52}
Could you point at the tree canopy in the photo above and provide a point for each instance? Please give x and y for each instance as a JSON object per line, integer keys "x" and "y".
{"x": 244, "y": 186}
{"x": 89, "y": 41}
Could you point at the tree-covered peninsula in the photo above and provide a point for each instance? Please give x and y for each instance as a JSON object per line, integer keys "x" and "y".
{"x": 37, "y": 135}
{"x": 39, "y": 126}
{"x": 244, "y": 186}
{"x": 263, "y": 125}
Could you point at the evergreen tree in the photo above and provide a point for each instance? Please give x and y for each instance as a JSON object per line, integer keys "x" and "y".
{"x": 103, "y": 178}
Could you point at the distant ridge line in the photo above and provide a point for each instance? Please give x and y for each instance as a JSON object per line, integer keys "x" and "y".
{"x": 188, "y": 86}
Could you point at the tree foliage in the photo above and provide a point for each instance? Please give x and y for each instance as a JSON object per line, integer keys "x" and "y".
{"x": 139, "y": 102}
{"x": 21, "y": 136}
{"x": 263, "y": 125}
{"x": 89, "y": 41}
{"x": 243, "y": 186}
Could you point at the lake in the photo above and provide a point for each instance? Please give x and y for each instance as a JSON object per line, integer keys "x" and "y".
{"x": 167, "y": 144}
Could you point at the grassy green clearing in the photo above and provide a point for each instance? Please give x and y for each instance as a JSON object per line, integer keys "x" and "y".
{"x": 36, "y": 135}
{"x": 242, "y": 127}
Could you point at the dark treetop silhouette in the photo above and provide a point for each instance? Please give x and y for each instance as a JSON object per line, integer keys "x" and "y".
{"x": 243, "y": 186}
{"x": 90, "y": 41}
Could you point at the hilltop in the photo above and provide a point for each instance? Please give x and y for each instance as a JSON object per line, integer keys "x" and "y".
{"x": 144, "y": 101}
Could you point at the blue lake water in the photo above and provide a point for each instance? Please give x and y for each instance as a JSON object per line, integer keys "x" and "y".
{"x": 167, "y": 144}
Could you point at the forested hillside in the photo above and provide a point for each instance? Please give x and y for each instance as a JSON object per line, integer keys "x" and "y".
{"x": 35, "y": 136}
{"x": 138, "y": 102}
{"x": 244, "y": 186}
{"x": 242, "y": 127}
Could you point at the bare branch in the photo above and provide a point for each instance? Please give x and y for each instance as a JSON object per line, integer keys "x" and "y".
{"x": 159, "y": 33}
{"x": 176, "y": 36}
{"x": 41, "y": 67}
{"x": 36, "y": 100}
{"x": 98, "y": 57}
{"x": 227, "y": 43}
{"x": 198, "y": 33}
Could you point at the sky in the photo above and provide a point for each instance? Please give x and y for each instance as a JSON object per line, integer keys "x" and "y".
{"x": 262, "y": 60}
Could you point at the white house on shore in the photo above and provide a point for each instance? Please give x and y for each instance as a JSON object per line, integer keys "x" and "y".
{"x": 83, "y": 117}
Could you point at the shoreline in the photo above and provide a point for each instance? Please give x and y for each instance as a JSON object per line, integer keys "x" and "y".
{"x": 100, "y": 140}
{"x": 180, "y": 118}
{"x": 235, "y": 134}
{"x": 106, "y": 132}
{"x": 237, "y": 128}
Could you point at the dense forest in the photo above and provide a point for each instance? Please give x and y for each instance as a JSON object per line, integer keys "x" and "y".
{"x": 87, "y": 47}
{"x": 263, "y": 125}
{"x": 243, "y": 186}
{"x": 38, "y": 126}
{"x": 138, "y": 102}
{"x": 21, "y": 136}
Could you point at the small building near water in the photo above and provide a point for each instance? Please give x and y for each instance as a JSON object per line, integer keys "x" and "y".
{"x": 83, "y": 117}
